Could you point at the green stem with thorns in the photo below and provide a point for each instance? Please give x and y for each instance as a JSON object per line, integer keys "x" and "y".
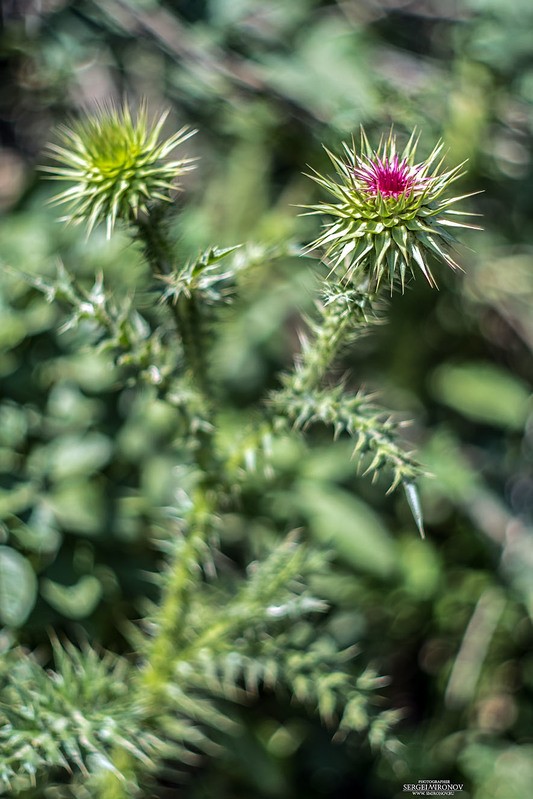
{"x": 342, "y": 314}
{"x": 183, "y": 571}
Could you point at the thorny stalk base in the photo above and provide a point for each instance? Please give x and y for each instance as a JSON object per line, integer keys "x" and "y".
{"x": 163, "y": 651}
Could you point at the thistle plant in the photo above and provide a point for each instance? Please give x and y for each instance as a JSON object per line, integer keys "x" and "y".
{"x": 109, "y": 720}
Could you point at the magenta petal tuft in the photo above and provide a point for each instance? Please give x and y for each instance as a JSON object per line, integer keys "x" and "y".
{"x": 389, "y": 177}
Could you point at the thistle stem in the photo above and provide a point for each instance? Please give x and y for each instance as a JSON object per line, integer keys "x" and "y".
{"x": 340, "y": 314}
{"x": 184, "y": 570}
{"x": 156, "y": 245}
{"x": 187, "y": 320}
{"x": 185, "y": 312}
{"x": 164, "y": 649}
{"x": 317, "y": 357}
{"x": 189, "y": 326}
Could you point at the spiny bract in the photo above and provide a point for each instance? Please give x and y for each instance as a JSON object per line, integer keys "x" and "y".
{"x": 117, "y": 164}
{"x": 390, "y": 213}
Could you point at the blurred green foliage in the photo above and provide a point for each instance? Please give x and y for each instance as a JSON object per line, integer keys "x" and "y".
{"x": 88, "y": 467}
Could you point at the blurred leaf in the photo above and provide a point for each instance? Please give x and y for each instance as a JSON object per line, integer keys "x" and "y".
{"x": 482, "y": 392}
{"x": 340, "y": 520}
{"x": 500, "y": 772}
{"x": 454, "y": 476}
{"x": 13, "y": 425}
{"x": 16, "y": 499}
{"x": 18, "y": 587}
{"x": 79, "y": 506}
{"x": 326, "y": 73}
{"x": 12, "y": 330}
{"x": 74, "y": 601}
{"x": 421, "y": 567}
{"x": 78, "y": 455}
{"x": 40, "y": 534}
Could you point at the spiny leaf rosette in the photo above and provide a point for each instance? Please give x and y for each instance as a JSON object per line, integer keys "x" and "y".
{"x": 118, "y": 165}
{"x": 390, "y": 213}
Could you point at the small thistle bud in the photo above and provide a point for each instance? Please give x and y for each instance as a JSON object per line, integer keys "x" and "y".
{"x": 390, "y": 213}
{"x": 117, "y": 164}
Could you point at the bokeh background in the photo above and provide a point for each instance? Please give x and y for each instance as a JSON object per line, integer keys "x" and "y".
{"x": 87, "y": 463}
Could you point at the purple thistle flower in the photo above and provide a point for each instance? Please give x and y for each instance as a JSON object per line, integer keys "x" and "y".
{"x": 389, "y": 215}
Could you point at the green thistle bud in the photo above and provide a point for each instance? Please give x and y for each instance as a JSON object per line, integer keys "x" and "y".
{"x": 390, "y": 213}
{"x": 117, "y": 164}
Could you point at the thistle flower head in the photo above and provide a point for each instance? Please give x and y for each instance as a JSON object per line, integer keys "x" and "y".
{"x": 117, "y": 164}
{"x": 390, "y": 214}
